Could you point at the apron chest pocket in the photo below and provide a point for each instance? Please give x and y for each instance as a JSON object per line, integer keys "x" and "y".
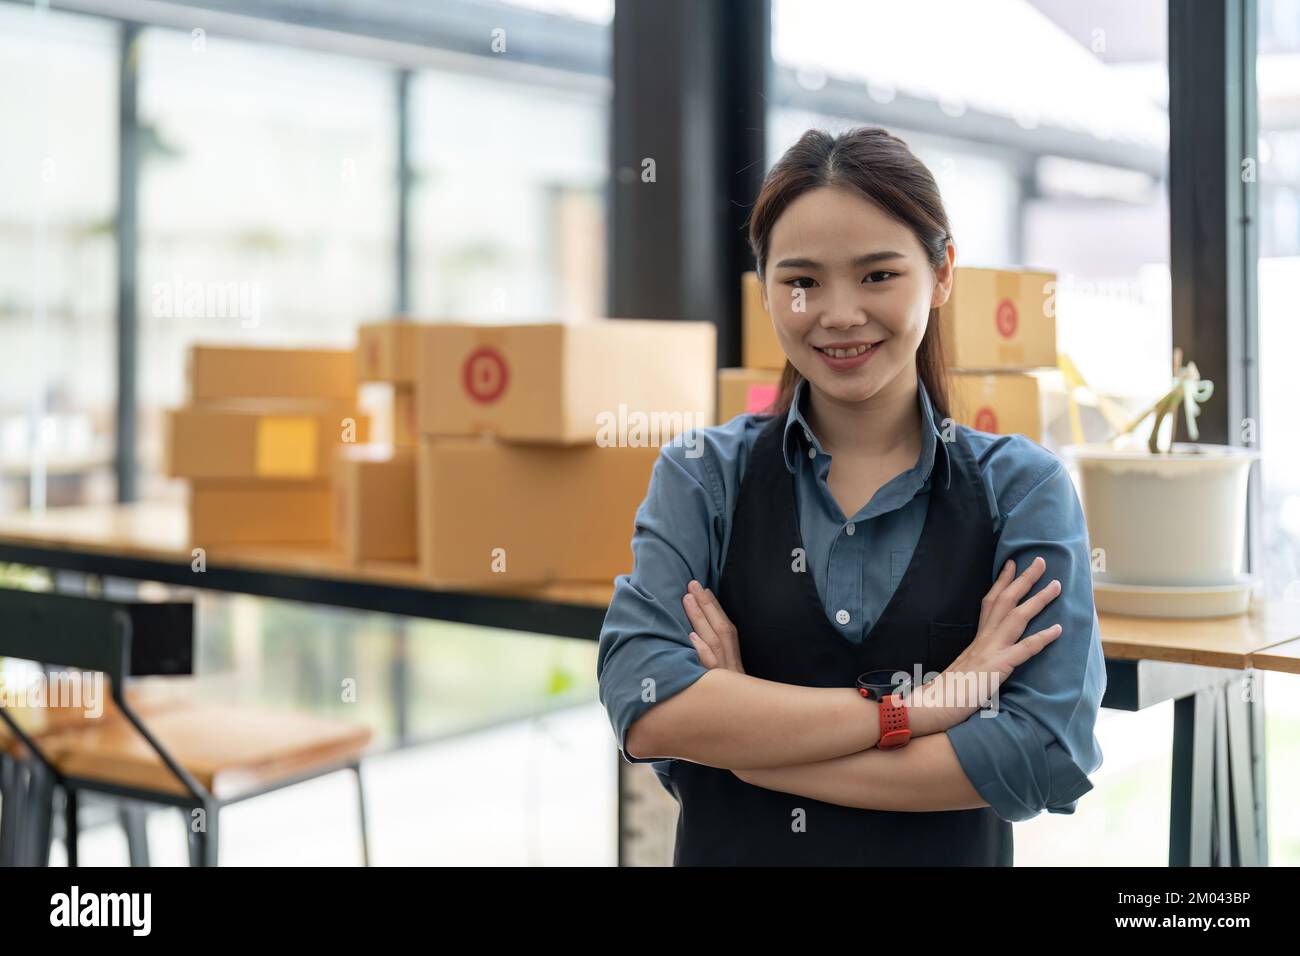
{"x": 946, "y": 642}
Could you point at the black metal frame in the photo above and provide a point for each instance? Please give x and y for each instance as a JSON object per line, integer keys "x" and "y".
{"x": 1213, "y": 810}
{"x": 531, "y": 615}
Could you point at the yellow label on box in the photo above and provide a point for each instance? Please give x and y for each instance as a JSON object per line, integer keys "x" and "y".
{"x": 286, "y": 446}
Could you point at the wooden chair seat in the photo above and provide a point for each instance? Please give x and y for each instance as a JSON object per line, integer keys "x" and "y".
{"x": 231, "y": 750}
{"x": 146, "y": 697}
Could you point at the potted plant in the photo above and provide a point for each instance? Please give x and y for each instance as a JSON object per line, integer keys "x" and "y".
{"x": 1167, "y": 519}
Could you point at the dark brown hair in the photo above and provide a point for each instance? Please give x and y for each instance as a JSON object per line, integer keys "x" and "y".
{"x": 880, "y": 166}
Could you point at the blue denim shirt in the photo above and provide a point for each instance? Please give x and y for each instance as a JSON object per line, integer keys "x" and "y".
{"x": 1036, "y": 752}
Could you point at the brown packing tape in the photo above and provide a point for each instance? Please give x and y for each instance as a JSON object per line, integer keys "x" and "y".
{"x": 286, "y": 446}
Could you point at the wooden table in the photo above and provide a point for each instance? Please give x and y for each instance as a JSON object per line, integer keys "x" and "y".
{"x": 1205, "y": 666}
{"x": 149, "y": 542}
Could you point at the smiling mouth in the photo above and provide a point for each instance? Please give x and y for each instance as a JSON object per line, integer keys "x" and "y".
{"x": 851, "y": 352}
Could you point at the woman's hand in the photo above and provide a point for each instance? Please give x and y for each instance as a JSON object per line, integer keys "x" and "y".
{"x": 714, "y": 637}
{"x": 973, "y": 678}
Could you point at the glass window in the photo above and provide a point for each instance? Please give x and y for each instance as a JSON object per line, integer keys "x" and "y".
{"x": 507, "y": 204}
{"x": 1049, "y": 140}
{"x": 591, "y": 11}
{"x": 58, "y": 111}
{"x": 1278, "y": 177}
{"x": 1278, "y": 79}
{"x": 267, "y": 204}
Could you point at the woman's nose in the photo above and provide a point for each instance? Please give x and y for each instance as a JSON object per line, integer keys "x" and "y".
{"x": 843, "y": 310}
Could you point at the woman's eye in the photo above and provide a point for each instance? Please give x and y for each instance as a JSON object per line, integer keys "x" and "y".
{"x": 791, "y": 282}
{"x": 873, "y": 276}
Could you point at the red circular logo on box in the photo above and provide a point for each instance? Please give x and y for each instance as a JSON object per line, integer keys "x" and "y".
{"x": 986, "y": 420}
{"x": 1006, "y": 318}
{"x": 485, "y": 374}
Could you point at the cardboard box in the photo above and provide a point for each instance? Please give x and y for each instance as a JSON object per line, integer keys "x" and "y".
{"x": 386, "y": 352}
{"x": 375, "y": 504}
{"x": 758, "y": 342}
{"x": 999, "y": 320}
{"x": 287, "y": 441}
{"x": 742, "y": 390}
{"x": 217, "y": 372}
{"x": 405, "y": 430}
{"x": 295, "y": 513}
{"x": 565, "y": 383}
{"x": 497, "y": 513}
{"x": 1001, "y": 403}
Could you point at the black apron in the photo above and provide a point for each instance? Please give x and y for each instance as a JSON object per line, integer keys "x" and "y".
{"x": 785, "y": 636}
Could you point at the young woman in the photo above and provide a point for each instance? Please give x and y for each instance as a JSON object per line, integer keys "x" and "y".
{"x": 856, "y": 529}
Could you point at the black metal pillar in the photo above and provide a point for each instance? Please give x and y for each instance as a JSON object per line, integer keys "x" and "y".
{"x": 687, "y": 158}
{"x": 402, "y": 299}
{"x": 1213, "y": 249}
{"x": 128, "y": 174}
{"x": 1212, "y": 136}
{"x": 687, "y": 147}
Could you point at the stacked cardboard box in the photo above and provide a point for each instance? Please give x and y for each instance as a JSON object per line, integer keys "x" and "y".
{"x": 375, "y": 487}
{"x": 752, "y": 388}
{"x": 375, "y": 503}
{"x": 537, "y": 442}
{"x": 257, "y": 442}
{"x": 999, "y": 331}
{"x": 386, "y": 353}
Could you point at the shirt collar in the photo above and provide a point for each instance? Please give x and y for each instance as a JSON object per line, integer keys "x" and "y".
{"x": 799, "y": 437}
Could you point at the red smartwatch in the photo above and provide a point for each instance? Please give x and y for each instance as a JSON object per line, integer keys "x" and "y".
{"x": 883, "y": 687}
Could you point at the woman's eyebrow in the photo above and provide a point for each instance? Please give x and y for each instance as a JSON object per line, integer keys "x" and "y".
{"x": 863, "y": 260}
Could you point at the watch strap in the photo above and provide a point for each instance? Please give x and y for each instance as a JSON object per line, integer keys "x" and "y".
{"x": 895, "y": 730}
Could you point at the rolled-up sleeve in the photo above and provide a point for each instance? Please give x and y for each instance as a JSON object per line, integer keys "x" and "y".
{"x": 1035, "y": 748}
{"x": 645, "y": 654}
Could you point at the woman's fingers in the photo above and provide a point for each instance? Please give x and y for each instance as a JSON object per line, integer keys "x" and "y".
{"x": 1021, "y": 651}
{"x": 730, "y": 636}
{"x": 1003, "y": 579}
{"x": 1028, "y": 610}
{"x": 712, "y": 625}
{"x": 707, "y": 657}
{"x": 704, "y": 630}
{"x": 1010, "y": 595}
{"x": 717, "y": 618}
{"x": 1018, "y": 588}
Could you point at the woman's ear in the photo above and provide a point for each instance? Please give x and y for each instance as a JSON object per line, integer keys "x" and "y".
{"x": 943, "y": 277}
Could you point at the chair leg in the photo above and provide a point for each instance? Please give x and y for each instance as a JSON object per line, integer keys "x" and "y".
{"x": 203, "y": 843}
{"x": 70, "y": 823}
{"x": 34, "y": 838}
{"x": 361, "y": 803}
{"x": 135, "y": 825}
{"x": 9, "y": 809}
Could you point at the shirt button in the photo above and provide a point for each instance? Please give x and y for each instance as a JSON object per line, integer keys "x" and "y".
{"x": 812, "y": 452}
{"x": 848, "y": 529}
{"x": 842, "y": 616}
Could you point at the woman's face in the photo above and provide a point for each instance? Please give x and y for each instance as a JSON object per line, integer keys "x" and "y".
{"x": 843, "y": 277}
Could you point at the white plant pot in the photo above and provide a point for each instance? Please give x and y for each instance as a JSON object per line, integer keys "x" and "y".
{"x": 1168, "y": 520}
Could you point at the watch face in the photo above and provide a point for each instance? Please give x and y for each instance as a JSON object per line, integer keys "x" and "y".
{"x": 880, "y": 684}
